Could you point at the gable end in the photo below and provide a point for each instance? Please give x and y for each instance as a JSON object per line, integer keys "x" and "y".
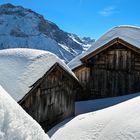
{"x": 38, "y": 82}
{"x": 109, "y": 44}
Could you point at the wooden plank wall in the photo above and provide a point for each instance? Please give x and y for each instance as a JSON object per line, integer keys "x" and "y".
{"x": 53, "y": 100}
{"x": 115, "y": 71}
{"x": 83, "y": 74}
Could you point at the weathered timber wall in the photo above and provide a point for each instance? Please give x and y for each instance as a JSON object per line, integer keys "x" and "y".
{"x": 52, "y": 100}
{"x": 114, "y": 71}
{"x": 83, "y": 74}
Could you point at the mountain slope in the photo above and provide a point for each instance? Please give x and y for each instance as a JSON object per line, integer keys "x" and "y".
{"x": 20, "y": 27}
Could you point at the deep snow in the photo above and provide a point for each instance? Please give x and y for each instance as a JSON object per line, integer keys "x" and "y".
{"x": 118, "y": 122}
{"x": 94, "y": 105}
{"x": 15, "y": 123}
{"x": 20, "y": 68}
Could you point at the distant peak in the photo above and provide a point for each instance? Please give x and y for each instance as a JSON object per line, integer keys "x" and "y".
{"x": 7, "y": 5}
{"x": 88, "y": 40}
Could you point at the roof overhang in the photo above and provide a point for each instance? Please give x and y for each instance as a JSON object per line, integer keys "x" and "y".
{"x": 37, "y": 83}
{"x": 107, "y": 45}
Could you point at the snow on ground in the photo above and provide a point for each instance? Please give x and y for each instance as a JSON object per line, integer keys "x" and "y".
{"x": 15, "y": 123}
{"x": 23, "y": 67}
{"x": 118, "y": 122}
{"x": 94, "y": 105}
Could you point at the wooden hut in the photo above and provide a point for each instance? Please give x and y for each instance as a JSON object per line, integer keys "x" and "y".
{"x": 40, "y": 82}
{"x": 111, "y": 67}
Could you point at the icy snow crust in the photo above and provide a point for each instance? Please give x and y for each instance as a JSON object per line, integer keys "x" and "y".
{"x": 15, "y": 123}
{"x": 21, "y": 68}
{"x": 119, "y": 122}
{"x": 130, "y": 34}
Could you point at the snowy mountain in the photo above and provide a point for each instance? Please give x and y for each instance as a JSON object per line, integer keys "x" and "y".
{"x": 20, "y": 27}
{"x": 15, "y": 123}
{"x": 118, "y": 122}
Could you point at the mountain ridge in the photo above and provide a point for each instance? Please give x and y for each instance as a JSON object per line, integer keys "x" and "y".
{"x": 22, "y": 27}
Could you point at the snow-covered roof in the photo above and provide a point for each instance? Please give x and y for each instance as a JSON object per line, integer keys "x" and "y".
{"x": 15, "y": 123}
{"x": 21, "y": 68}
{"x": 76, "y": 62}
{"x": 130, "y": 34}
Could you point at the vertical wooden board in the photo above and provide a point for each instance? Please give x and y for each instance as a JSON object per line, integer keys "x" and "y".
{"x": 124, "y": 59}
{"x": 117, "y": 59}
{"x": 114, "y": 71}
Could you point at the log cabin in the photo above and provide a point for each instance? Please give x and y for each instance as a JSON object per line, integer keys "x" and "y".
{"x": 40, "y": 82}
{"x": 111, "y": 66}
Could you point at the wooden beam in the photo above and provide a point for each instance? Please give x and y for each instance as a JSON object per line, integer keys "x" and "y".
{"x": 107, "y": 45}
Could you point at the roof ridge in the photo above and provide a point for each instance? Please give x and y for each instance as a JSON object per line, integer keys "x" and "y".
{"x": 127, "y": 26}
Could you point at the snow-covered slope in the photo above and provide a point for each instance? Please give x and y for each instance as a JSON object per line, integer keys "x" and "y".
{"x": 119, "y": 122}
{"x": 94, "y": 105}
{"x": 20, "y": 68}
{"x": 23, "y": 28}
{"x": 130, "y": 34}
{"x": 15, "y": 123}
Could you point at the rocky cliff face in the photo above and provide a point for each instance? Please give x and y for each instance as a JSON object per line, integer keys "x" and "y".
{"x": 20, "y": 27}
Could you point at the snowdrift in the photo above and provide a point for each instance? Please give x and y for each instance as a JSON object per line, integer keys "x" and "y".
{"x": 94, "y": 105}
{"x": 119, "y": 122}
{"x": 20, "y": 68}
{"x": 15, "y": 124}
